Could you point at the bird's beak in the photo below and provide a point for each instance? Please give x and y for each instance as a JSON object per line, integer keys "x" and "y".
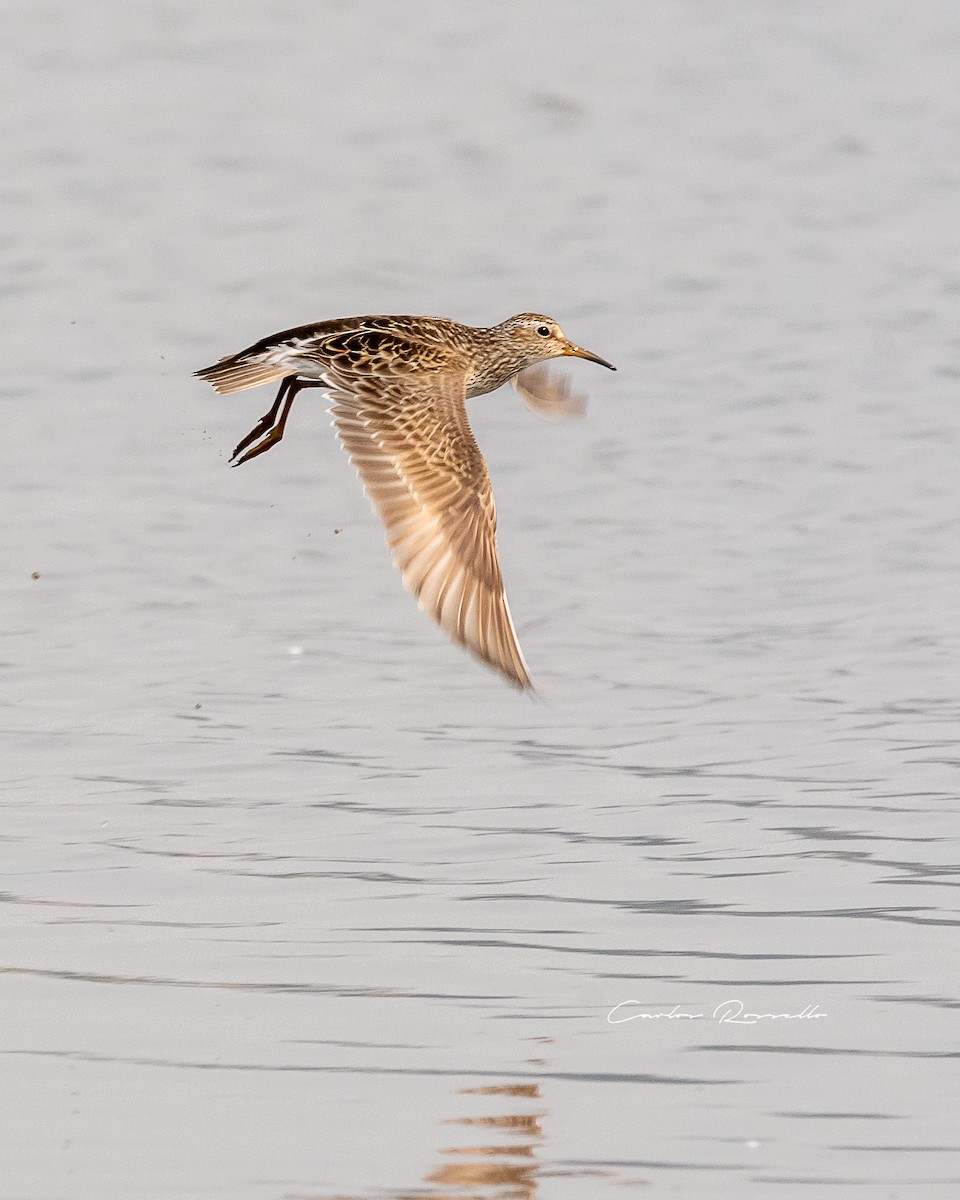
{"x": 572, "y": 349}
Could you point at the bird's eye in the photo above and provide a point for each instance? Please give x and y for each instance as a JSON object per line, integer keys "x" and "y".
{"x": 543, "y": 331}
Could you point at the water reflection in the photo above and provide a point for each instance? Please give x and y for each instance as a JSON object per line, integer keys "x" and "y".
{"x": 506, "y": 1164}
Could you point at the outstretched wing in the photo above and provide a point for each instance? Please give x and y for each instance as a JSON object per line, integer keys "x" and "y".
{"x": 421, "y": 467}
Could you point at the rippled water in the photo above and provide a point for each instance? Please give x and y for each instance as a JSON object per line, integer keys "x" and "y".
{"x": 301, "y": 902}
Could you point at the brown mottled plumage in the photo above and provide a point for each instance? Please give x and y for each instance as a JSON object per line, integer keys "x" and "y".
{"x": 399, "y": 387}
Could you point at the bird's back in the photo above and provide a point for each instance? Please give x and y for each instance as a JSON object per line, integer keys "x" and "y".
{"x": 364, "y": 344}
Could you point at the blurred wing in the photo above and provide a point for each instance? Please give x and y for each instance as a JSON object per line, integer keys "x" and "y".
{"x": 550, "y": 394}
{"x": 423, "y": 471}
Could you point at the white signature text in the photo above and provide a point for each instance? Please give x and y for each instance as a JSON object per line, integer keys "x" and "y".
{"x": 730, "y": 1012}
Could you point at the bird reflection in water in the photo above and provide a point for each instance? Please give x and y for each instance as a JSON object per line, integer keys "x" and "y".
{"x": 507, "y": 1167}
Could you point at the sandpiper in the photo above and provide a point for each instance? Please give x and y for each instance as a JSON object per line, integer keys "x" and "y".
{"x": 399, "y": 387}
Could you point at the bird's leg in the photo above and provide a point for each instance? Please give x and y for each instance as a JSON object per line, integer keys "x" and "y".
{"x": 266, "y": 421}
{"x": 274, "y": 431}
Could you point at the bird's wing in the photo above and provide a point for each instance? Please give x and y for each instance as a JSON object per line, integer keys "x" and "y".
{"x": 550, "y": 394}
{"x": 409, "y": 438}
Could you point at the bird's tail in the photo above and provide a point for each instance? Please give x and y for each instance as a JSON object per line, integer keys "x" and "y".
{"x": 236, "y": 372}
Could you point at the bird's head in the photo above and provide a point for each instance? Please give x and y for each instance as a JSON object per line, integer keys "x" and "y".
{"x": 538, "y": 338}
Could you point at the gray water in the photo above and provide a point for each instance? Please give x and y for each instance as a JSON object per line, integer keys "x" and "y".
{"x": 300, "y": 901}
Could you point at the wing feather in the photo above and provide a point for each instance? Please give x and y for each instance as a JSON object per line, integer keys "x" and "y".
{"x": 550, "y": 394}
{"x": 422, "y": 469}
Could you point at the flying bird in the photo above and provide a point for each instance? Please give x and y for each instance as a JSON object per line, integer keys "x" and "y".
{"x": 399, "y": 387}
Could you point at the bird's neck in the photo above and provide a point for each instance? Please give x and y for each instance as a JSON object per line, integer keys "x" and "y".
{"x": 496, "y": 361}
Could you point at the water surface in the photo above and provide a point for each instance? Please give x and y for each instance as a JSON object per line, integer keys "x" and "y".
{"x": 300, "y": 901}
